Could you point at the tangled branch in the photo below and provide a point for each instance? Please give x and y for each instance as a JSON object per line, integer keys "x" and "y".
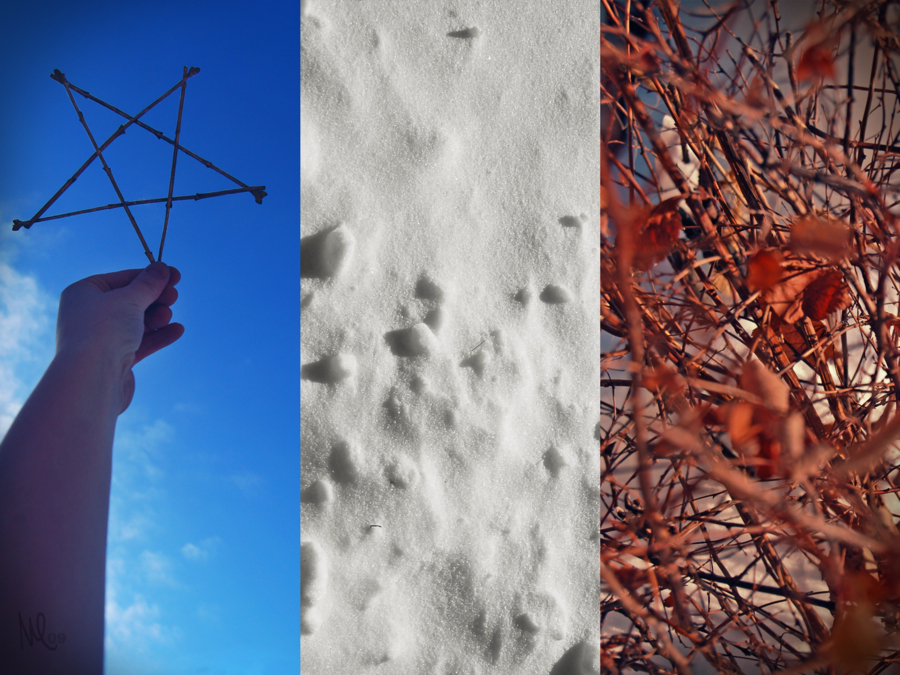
{"x": 749, "y": 307}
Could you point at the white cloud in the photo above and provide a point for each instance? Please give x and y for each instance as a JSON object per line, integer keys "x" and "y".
{"x": 133, "y": 625}
{"x": 135, "y": 568}
{"x": 210, "y": 613}
{"x": 137, "y": 452}
{"x": 138, "y": 618}
{"x": 136, "y": 480}
{"x": 26, "y": 343}
{"x": 135, "y": 526}
{"x": 136, "y": 626}
{"x": 201, "y": 552}
{"x": 248, "y": 482}
{"x": 192, "y": 552}
{"x": 157, "y": 568}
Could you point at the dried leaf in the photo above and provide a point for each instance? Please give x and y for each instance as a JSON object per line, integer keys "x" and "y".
{"x": 816, "y": 63}
{"x": 817, "y": 32}
{"x": 807, "y": 291}
{"x": 679, "y": 438}
{"x": 827, "y": 237}
{"x": 662, "y": 377}
{"x": 764, "y": 270}
{"x": 793, "y": 337}
{"x": 628, "y": 221}
{"x": 785, "y": 297}
{"x": 631, "y": 577}
{"x": 855, "y": 637}
{"x": 647, "y": 61}
{"x": 892, "y": 321}
{"x": 712, "y": 417}
{"x": 817, "y": 59}
{"x": 721, "y": 283}
{"x": 826, "y": 294}
{"x": 860, "y": 585}
{"x": 757, "y": 99}
{"x": 739, "y": 422}
{"x": 604, "y": 205}
{"x": 769, "y": 457}
{"x": 664, "y": 449}
{"x": 658, "y": 234}
{"x": 793, "y": 435}
{"x": 885, "y": 414}
{"x": 759, "y": 380}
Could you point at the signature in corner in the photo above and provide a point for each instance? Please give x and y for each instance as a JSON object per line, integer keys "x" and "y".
{"x": 35, "y": 633}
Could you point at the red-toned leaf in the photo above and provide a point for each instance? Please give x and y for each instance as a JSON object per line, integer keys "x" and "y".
{"x": 816, "y": 63}
{"x": 797, "y": 343}
{"x": 628, "y": 221}
{"x": 893, "y": 323}
{"x": 793, "y": 436}
{"x": 856, "y": 637}
{"x": 663, "y": 448}
{"x": 784, "y": 297}
{"x": 669, "y": 600}
{"x": 658, "y": 234}
{"x": 739, "y": 422}
{"x": 662, "y": 378}
{"x": 712, "y": 417}
{"x": 826, "y": 294}
{"x": 764, "y": 270}
{"x": 769, "y": 456}
{"x": 647, "y": 61}
{"x": 631, "y": 577}
{"x": 807, "y": 291}
{"x": 859, "y": 585}
{"x": 766, "y": 385}
{"x": 826, "y": 237}
{"x": 604, "y": 216}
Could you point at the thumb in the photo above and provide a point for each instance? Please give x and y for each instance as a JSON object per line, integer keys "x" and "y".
{"x": 149, "y": 284}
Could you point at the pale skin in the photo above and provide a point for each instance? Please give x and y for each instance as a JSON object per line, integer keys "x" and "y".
{"x": 55, "y": 470}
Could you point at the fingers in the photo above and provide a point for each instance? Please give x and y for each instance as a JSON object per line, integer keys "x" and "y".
{"x": 159, "y": 332}
{"x": 113, "y": 280}
{"x": 151, "y": 285}
{"x": 110, "y": 281}
{"x": 167, "y": 297}
{"x": 158, "y": 339}
{"x": 148, "y": 285}
{"x": 157, "y": 316}
{"x": 174, "y": 276}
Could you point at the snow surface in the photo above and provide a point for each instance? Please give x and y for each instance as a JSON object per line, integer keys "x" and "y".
{"x": 450, "y": 337}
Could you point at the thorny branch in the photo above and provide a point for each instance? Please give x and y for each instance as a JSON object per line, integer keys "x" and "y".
{"x": 750, "y": 311}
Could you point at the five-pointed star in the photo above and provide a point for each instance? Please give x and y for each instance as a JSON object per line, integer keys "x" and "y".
{"x": 257, "y": 191}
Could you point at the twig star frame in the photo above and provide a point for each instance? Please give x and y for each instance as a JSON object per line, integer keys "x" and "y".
{"x": 258, "y": 191}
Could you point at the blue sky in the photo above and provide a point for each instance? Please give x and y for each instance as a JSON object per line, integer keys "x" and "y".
{"x": 203, "y": 556}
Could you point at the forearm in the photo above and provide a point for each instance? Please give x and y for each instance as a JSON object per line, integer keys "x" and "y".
{"x": 55, "y": 470}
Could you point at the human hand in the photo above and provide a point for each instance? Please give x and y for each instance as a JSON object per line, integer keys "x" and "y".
{"x": 124, "y": 316}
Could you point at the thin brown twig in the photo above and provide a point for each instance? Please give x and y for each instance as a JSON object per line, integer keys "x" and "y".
{"x": 258, "y": 195}
{"x": 158, "y": 200}
{"x": 106, "y": 168}
{"x": 60, "y": 77}
{"x": 162, "y": 240}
